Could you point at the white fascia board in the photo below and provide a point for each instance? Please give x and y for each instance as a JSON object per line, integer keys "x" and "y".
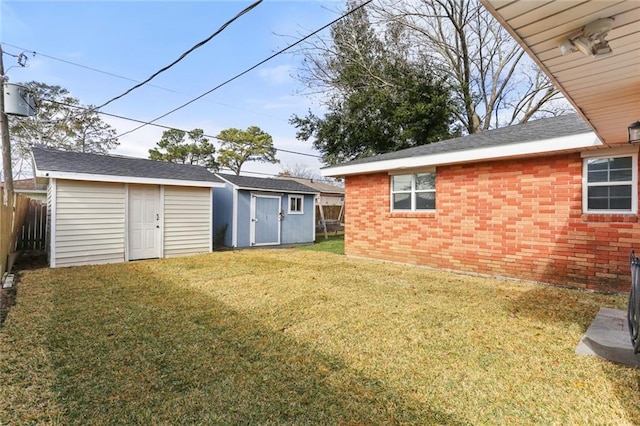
{"x": 126, "y": 179}
{"x": 279, "y": 191}
{"x": 546, "y": 146}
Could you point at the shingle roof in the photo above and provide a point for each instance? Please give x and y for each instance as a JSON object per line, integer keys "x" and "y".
{"x": 51, "y": 160}
{"x": 24, "y": 184}
{"x": 318, "y": 186}
{"x": 546, "y": 128}
{"x": 268, "y": 184}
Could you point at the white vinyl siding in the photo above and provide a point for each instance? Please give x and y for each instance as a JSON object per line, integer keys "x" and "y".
{"x": 187, "y": 220}
{"x": 89, "y": 223}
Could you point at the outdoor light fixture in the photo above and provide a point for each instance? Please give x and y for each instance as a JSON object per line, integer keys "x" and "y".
{"x": 634, "y": 132}
{"x": 590, "y": 40}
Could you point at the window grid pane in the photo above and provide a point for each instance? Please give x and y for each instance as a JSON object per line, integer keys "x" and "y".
{"x": 610, "y": 184}
{"x": 295, "y": 204}
{"x": 402, "y": 201}
{"x": 401, "y": 183}
{"x": 413, "y": 192}
{"x": 609, "y": 169}
{"x": 425, "y": 200}
{"x": 425, "y": 181}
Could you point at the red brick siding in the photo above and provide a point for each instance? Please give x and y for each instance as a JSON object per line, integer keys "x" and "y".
{"x": 520, "y": 218}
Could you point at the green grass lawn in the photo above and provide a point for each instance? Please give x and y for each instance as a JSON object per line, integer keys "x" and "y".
{"x": 333, "y": 244}
{"x": 296, "y": 336}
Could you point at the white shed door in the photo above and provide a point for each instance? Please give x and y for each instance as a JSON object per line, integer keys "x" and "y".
{"x": 144, "y": 222}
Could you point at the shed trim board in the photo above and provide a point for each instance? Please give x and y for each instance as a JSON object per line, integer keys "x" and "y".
{"x": 211, "y": 230}
{"x": 234, "y": 222}
{"x": 161, "y": 220}
{"x": 127, "y": 255}
{"x": 126, "y": 179}
{"x": 51, "y": 207}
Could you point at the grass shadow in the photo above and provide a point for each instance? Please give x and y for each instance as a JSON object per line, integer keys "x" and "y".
{"x": 176, "y": 355}
{"x": 550, "y": 304}
{"x": 31, "y": 260}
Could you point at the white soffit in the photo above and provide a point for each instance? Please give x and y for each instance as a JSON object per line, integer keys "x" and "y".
{"x": 605, "y": 90}
{"x": 547, "y": 146}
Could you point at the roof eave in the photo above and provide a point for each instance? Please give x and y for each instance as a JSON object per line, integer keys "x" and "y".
{"x": 251, "y": 188}
{"x": 548, "y": 146}
{"x": 125, "y": 179}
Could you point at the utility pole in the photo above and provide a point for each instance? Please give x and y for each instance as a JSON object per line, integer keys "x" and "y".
{"x": 4, "y": 130}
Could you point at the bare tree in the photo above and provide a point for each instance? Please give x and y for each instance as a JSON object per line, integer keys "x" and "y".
{"x": 299, "y": 170}
{"x": 494, "y": 83}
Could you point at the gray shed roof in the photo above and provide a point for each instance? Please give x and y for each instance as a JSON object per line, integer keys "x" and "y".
{"x": 321, "y": 187}
{"x": 546, "y": 128}
{"x": 50, "y": 161}
{"x": 267, "y": 184}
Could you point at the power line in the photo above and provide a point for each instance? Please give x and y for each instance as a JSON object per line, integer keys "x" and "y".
{"x": 181, "y": 57}
{"x": 161, "y": 125}
{"x": 250, "y": 68}
{"x": 34, "y": 53}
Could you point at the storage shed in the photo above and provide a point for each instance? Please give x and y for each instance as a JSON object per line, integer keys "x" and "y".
{"x": 251, "y": 211}
{"x": 109, "y": 209}
{"x": 329, "y": 205}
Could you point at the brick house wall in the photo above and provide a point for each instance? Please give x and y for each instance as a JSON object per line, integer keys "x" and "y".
{"x": 518, "y": 218}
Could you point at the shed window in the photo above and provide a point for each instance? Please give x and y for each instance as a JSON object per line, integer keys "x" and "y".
{"x": 296, "y": 203}
{"x": 610, "y": 184}
{"x": 414, "y": 192}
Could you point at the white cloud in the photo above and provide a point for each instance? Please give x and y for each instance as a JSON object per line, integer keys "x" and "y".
{"x": 277, "y": 75}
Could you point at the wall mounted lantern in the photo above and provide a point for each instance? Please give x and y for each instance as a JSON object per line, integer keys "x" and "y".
{"x": 634, "y": 132}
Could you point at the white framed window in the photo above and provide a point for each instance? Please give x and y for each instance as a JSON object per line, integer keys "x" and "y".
{"x": 414, "y": 192}
{"x": 296, "y": 204}
{"x": 610, "y": 184}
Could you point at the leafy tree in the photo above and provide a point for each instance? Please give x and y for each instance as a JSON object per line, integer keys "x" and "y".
{"x": 61, "y": 122}
{"x": 377, "y": 100}
{"x": 173, "y": 148}
{"x": 239, "y": 146}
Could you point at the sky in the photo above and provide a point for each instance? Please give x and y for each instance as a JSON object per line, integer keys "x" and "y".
{"x": 134, "y": 39}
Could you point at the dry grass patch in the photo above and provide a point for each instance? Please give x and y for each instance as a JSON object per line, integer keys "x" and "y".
{"x": 297, "y": 337}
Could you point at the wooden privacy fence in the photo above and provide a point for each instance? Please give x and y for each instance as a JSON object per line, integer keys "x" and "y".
{"x": 12, "y": 217}
{"x": 33, "y": 233}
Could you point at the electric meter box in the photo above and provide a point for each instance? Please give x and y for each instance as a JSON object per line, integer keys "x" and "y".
{"x": 18, "y": 101}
